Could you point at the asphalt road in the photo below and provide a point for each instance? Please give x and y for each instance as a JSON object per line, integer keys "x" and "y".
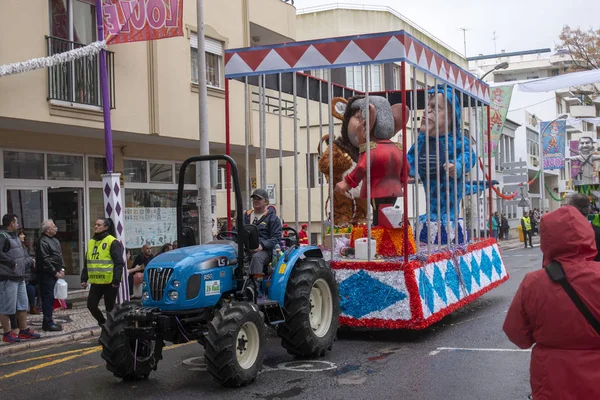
{"x": 465, "y": 356}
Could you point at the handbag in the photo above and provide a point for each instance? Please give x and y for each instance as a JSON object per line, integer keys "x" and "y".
{"x": 61, "y": 289}
{"x": 557, "y": 274}
{"x": 138, "y": 278}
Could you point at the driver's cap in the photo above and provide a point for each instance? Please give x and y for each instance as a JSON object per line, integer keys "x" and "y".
{"x": 260, "y": 193}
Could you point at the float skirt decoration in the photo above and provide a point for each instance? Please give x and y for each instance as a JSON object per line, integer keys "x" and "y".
{"x": 414, "y": 295}
{"x": 390, "y": 242}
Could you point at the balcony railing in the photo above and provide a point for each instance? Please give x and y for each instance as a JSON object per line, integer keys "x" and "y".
{"x": 78, "y": 81}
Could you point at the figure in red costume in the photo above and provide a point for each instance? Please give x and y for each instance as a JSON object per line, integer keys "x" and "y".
{"x": 388, "y": 164}
{"x": 303, "y": 235}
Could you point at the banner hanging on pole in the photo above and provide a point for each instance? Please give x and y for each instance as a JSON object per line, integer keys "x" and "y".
{"x": 141, "y": 20}
{"x": 554, "y": 144}
{"x": 499, "y": 103}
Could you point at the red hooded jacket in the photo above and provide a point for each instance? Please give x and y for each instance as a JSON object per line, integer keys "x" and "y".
{"x": 565, "y": 362}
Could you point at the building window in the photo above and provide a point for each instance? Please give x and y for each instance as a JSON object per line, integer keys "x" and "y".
{"x": 135, "y": 171}
{"x": 314, "y": 178}
{"x": 64, "y": 168}
{"x": 533, "y": 77}
{"x": 214, "y": 57}
{"x": 22, "y": 165}
{"x": 161, "y": 173}
{"x": 318, "y": 73}
{"x": 221, "y": 177}
{"x": 96, "y": 167}
{"x": 355, "y": 78}
{"x": 190, "y": 173}
{"x": 82, "y": 29}
{"x": 533, "y": 148}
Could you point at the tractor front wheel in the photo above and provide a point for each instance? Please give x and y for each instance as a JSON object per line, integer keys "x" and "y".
{"x": 235, "y": 344}
{"x": 127, "y": 358}
{"x": 312, "y": 309}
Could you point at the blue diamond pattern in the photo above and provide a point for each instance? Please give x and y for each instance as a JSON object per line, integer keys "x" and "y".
{"x": 355, "y": 290}
{"x": 439, "y": 285}
{"x": 497, "y": 262}
{"x": 452, "y": 279}
{"x": 486, "y": 265}
{"x": 426, "y": 290}
{"x": 466, "y": 275}
{"x": 475, "y": 271}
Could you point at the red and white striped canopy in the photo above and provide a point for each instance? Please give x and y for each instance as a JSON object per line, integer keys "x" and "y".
{"x": 378, "y": 48}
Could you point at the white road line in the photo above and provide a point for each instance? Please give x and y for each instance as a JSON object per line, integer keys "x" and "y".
{"x": 440, "y": 349}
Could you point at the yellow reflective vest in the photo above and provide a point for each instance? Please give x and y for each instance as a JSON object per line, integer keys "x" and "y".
{"x": 527, "y": 223}
{"x": 100, "y": 265}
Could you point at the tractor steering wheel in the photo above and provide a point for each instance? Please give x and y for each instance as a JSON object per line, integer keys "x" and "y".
{"x": 227, "y": 235}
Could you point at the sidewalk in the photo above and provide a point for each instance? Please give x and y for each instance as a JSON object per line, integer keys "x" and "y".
{"x": 77, "y": 324}
{"x": 515, "y": 243}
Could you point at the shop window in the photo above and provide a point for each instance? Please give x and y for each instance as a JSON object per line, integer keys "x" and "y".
{"x": 214, "y": 55}
{"x": 161, "y": 173}
{"x": 96, "y": 167}
{"x": 190, "y": 173}
{"x": 135, "y": 171}
{"x": 21, "y": 165}
{"x": 64, "y": 168}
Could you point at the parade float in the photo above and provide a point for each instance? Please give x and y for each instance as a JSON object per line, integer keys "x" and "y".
{"x": 403, "y": 172}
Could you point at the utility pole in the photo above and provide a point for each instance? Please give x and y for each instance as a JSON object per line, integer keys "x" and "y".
{"x": 465, "y": 39}
{"x": 203, "y": 168}
{"x": 495, "y": 51}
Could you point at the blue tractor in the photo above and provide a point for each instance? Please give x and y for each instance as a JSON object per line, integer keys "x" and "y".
{"x": 204, "y": 293}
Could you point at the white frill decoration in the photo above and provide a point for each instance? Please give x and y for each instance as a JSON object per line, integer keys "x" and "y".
{"x": 46, "y": 62}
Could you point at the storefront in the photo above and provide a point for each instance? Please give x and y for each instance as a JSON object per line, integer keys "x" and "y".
{"x": 67, "y": 188}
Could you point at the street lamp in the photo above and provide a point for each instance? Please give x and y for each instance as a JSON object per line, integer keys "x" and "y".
{"x": 502, "y": 65}
{"x": 542, "y": 180}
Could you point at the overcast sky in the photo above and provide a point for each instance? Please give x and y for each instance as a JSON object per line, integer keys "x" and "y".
{"x": 519, "y": 24}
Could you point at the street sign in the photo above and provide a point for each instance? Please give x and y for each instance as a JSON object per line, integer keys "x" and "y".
{"x": 524, "y": 203}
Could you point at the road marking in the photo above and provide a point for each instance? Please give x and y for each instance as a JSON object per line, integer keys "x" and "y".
{"x": 47, "y": 356}
{"x": 47, "y": 378}
{"x": 440, "y": 349}
{"x": 49, "y": 364}
{"x": 81, "y": 353}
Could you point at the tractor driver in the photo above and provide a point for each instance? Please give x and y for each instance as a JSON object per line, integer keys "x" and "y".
{"x": 269, "y": 230}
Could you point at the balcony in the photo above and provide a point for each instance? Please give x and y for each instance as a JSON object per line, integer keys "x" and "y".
{"x": 78, "y": 82}
{"x": 583, "y": 111}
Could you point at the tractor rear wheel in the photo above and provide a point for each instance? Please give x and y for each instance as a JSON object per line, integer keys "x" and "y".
{"x": 312, "y": 309}
{"x": 127, "y": 358}
{"x": 235, "y": 344}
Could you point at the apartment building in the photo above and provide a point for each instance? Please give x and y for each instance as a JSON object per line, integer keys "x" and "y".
{"x": 528, "y": 109}
{"x": 51, "y": 126}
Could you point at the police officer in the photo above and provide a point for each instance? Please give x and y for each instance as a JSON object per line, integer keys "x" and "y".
{"x": 103, "y": 268}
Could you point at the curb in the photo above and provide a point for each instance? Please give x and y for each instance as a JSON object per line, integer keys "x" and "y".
{"x": 33, "y": 344}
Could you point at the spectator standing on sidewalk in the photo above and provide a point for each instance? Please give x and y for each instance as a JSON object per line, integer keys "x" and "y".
{"x": 51, "y": 267}
{"x": 30, "y": 277}
{"x": 527, "y": 229}
{"x": 103, "y": 268}
{"x": 13, "y": 294}
{"x": 139, "y": 264}
{"x": 505, "y": 226}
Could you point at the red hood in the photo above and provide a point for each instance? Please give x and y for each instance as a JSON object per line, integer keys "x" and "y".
{"x": 567, "y": 236}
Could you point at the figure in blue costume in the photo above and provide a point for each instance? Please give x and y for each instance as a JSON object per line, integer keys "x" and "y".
{"x": 443, "y": 218}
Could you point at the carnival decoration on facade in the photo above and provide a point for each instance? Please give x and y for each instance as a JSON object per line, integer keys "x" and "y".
{"x": 585, "y": 163}
{"x": 553, "y": 144}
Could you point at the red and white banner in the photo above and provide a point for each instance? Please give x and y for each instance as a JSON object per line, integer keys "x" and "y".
{"x": 141, "y": 20}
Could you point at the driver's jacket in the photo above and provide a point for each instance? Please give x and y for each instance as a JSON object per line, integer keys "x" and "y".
{"x": 269, "y": 228}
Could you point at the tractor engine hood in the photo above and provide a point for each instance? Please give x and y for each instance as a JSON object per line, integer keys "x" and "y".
{"x": 205, "y": 256}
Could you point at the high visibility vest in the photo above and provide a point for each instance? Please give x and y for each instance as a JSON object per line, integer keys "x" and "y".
{"x": 100, "y": 265}
{"x": 527, "y": 222}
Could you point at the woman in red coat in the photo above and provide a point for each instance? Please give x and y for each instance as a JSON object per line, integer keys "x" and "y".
{"x": 565, "y": 362}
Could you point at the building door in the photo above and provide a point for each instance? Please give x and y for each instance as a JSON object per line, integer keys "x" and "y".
{"x": 28, "y": 206}
{"x": 65, "y": 208}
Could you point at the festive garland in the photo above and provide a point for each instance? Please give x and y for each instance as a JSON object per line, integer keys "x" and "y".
{"x": 564, "y": 196}
{"x": 46, "y": 62}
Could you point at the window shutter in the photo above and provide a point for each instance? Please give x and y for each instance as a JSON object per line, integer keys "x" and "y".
{"x": 211, "y": 45}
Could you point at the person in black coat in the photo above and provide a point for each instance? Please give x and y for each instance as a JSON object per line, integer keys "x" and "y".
{"x": 581, "y": 202}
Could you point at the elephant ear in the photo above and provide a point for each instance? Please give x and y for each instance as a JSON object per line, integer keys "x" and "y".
{"x": 338, "y": 107}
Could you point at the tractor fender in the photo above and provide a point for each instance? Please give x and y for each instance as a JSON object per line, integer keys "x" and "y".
{"x": 283, "y": 270}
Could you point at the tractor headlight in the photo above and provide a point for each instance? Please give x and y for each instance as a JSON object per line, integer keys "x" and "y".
{"x": 176, "y": 284}
{"x": 144, "y": 284}
{"x": 173, "y": 295}
{"x": 145, "y": 296}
